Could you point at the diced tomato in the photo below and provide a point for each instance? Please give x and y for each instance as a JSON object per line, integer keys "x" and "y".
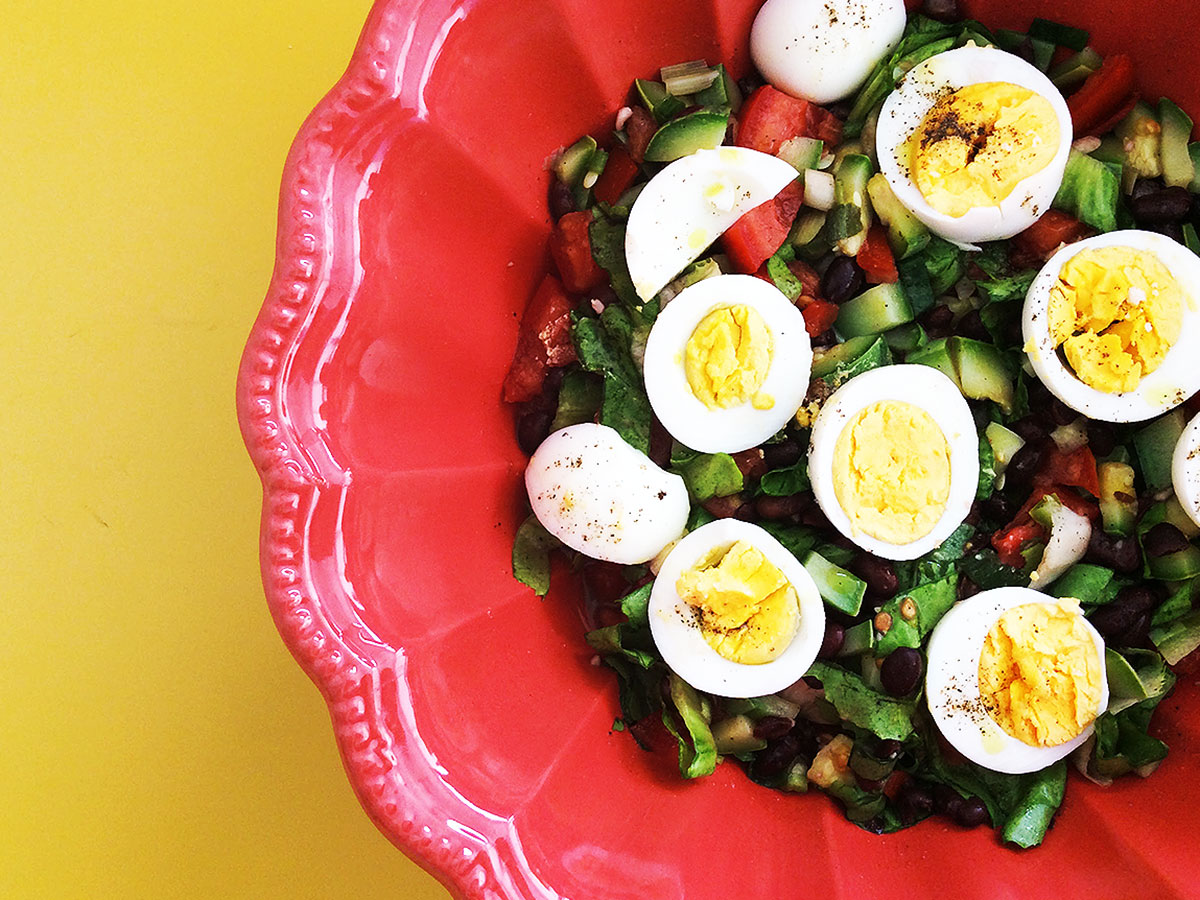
{"x": 875, "y": 257}
{"x": 618, "y": 175}
{"x": 1118, "y": 115}
{"x": 543, "y": 342}
{"x": 753, "y": 238}
{"x": 1035, "y": 244}
{"x": 1105, "y": 91}
{"x": 571, "y": 247}
{"x": 639, "y": 129}
{"x": 809, "y": 280}
{"x": 819, "y": 316}
{"x": 1074, "y": 469}
{"x": 1008, "y": 542}
{"x": 769, "y": 117}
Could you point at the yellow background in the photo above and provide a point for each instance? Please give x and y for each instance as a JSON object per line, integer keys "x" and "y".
{"x": 156, "y": 739}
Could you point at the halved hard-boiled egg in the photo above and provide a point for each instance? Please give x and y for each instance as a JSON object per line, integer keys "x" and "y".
{"x": 602, "y": 497}
{"x": 1015, "y": 679}
{"x": 1185, "y": 469}
{"x": 823, "y": 50}
{"x": 894, "y": 460}
{"x": 689, "y": 204}
{"x": 734, "y": 613}
{"x": 727, "y": 363}
{"x": 1111, "y": 325}
{"x": 974, "y": 142}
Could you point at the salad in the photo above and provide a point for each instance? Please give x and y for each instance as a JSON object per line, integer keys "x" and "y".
{"x": 858, "y": 402}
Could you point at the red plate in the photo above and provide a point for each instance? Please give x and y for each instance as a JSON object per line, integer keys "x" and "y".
{"x": 474, "y": 729}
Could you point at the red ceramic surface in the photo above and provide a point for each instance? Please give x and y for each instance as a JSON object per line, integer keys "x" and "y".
{"x": 474, "y": 729}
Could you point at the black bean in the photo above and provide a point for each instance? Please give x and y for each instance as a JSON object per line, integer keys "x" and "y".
{"x": 1121, "y": 624}
{"x": 971, "y": 326}
{"x": 915, "y": 801}
{"x": 782, "y": 454}
{"x": 1060, "y": 413}
{"x": 1121, "y": 554}
{"x": 814, "y": 518}
{"x": 1141, "y": 597}
{"x": 835, "y": 638}
{"x": 901, "y": 671}
{"x": 998, "y": 508}
{"x": 1102, "y": 438}
{"x": 944, "y": 798}
{"x": 942, "y": 10}
{"x": 888, "y": 749}
{"x": 970, "y": 812}
{"x": 533, "y": 427}
{"x": 879, "y": 574}
{"x": 747, "y": 512}
{"x": 749, "y": 84}
{"x": 842, "y": 109}
{"x": 937, "y": 321}
{"x": 771, "y": 728}
{"x": 1161, "y": 207}
{"x": 1146, "y": 186}
{"x": 1163, "y": 540}
{"x": 777, "y": 756}
{"x": 826, "y": 338}
{"x": 562, "y": 201}
{"x": 1173, "y": 230}
{"x": 842, "y": 280}
{"x": 1024, "y": 465}
{"x": 1029, "y": 429}
{"x": 776, "y": 509}
{"x": 965, "y": 588}
{"x": 1013, "y": 332}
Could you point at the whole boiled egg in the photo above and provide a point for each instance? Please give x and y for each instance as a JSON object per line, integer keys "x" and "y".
{"x": 603, "y": 497}
{"x": 689, "y": 204}
{"x": 727, "y": 363}
{"x": 894, "y": 460}
{"x": 1111, "y": 325}
{"x": 974, "y": 142}
{"x": 734, "y": 613}
{"x": 1185, "y": 469}
{"x": 1015, "y": 678}
{"x": 823, "y": 50}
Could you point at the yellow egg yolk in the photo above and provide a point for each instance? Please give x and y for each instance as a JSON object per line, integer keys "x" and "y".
{"x": 746, "y": 608}
{"x": 1115, "y": 311}
{"x": 891, "y": 472}
{"x": 978, "y": 143}
{"x": 727, "y": 358}
{"x": 1040, "y": 675}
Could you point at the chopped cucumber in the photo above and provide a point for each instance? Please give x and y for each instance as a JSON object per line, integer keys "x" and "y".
{"x": 1089, "y": 191}
{"x": 1141, "y": 137}
{"x": 1177, "y": 167}
{"x": 1155, "y": 445}
{"x": 906, "y": 338}
{"x": 852, "y": 357}
{"x": 1074, "y": 70}
{"x": 936, "y": 355}
{"x": 850, "y": 191}
{"x": 1057, "y": 33}
{"x": 1005, "y": 445}
{"x": 1173, "y": 512}
{"x": 573, "y": 164}
{"x": 1118, "y": 498}
{"x": 839, "y": 588}
{"x": 701, "y": 130}
{"x": 1178, "y": 639}
{"x": 801, "y": 152}
{"x": 982, "y": 371}
{"x": 1043, "y": 50}
{"x": 858, "y": 639}
{"x": 1194, "y": 153}
{"x": 809, "y": 236}
{"x": 1111, "y": 150}
{"x": 735, "y": 735}
{"x": 722, "y": 93}
{"x": 662, "y": 105}
{"x": 819, "y": 190}
{"x": 1083, "y": 581}
{"x": 876, "y": 310}
{"x": 1176, "y": 566}
{"x": 906, "y": 233}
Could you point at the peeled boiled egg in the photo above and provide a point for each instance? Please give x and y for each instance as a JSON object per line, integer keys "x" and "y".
{"x": 727, "y": 363}
{"x": 689, "y": 204}
{"x": 1111, "y": 325}
{"x": 823, "y": 50}
{"x": 1015, "y": 679}
{"x": 1185, "y": 469}
{"x": 734, "y": 613}
{"x": 974, "y": 142}
{"x": 894, "y": 460}
{"x": 602, "y": 497}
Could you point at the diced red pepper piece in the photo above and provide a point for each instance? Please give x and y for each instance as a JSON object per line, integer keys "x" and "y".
{"x": 1035, "y": 244}
{"x": 875, "y": 257}
{"x": 1074, "y": 469}
{"x": 571, "y": 247}
{"x": 753, "y": 238}
{"x": 1008, "y": 542}
{"x": 543, "y": 342}
{"x": 618, "y": 175}
{"x": 819, "y": 316}
{"x": 1118, "y": 115}
{"x": 769, "y": 117}
{"x": 1105, "y": 91}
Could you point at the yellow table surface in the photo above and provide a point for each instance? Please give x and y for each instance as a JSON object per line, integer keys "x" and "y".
{"x": 156, "y": 739}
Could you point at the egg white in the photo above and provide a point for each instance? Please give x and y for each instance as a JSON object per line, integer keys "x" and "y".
{"x": 604, "y": 498}
{"x": 952, "y": 685}
{"x": 689, "y": 204}
{"x": 905, "y": 109}
{"x": 1163, "y": 389}
{"x": 1185, "y": 469}
{"x": 927, "y": 389}
{"x": 823, "y": 50}
{"x": 681, "y": 643}
{"x": 735, "y": 428}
